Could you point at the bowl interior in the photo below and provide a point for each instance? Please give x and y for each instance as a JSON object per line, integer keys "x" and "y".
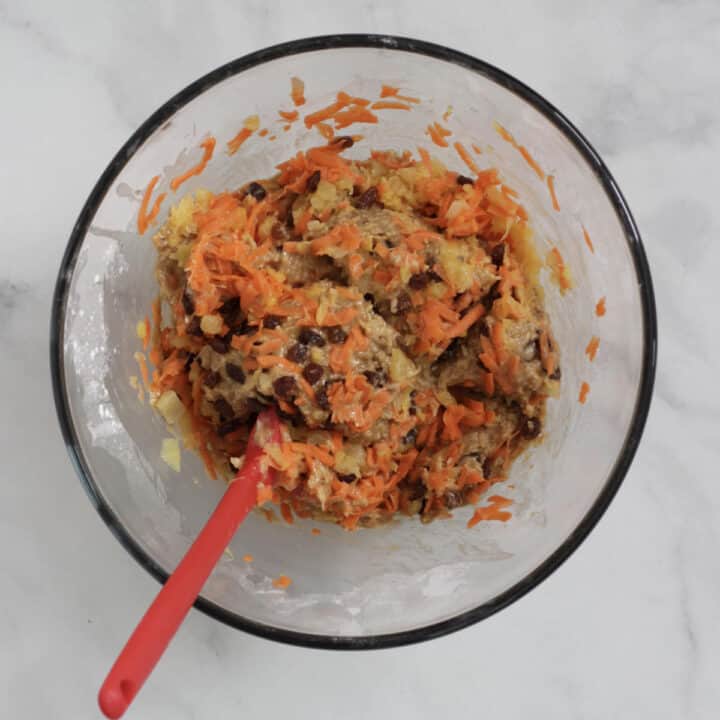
{"x": 406, "y": 576}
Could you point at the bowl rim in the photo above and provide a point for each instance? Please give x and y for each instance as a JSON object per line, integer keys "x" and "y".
{"x": 645, "y": 387}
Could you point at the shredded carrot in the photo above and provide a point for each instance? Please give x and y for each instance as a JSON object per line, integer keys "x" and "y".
{"x": 465, "y": 157}
{"x": 282, "y": 582}
{"x": 425, "y": 157}
{"x": 286, "y": 513}
{"x": 477, "y": 149}
{"x": 588, "y": 241}
{"x": 560, "y": 271}
{"x": 297, "y": 91}
{"x": 584, "y": 390}
{"x": 289, "y": 115}
{"x": 263, "y": 132}
{"x": 208, "y": 146}
{"x": 592, "y": 347}
{"x": 390, "y": 105}
{"x": 146, "y": 336}
{"x": 600, "y": 307}
{"x": 505, "y": 135}
{"x": 390, "y": 91}
{"x": 144, "y": 218}
{"x": 325, "y": 130}
{"x": 493, "y": 511}
{"x": 264, "y": 493}
{"x": 248, "y": 558}
{"x": 144, "y": 374}
{"x": 438, "y": 134}
{"x": 272, "y": 138}
{"x": 551, "y": 188}
{"x": 354, "y": 115}
{"x": 315, "y": 531}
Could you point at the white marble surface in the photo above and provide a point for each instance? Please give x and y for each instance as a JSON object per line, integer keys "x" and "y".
{"x": 628, "y": 628}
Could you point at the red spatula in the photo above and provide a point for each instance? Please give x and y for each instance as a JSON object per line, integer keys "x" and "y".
{"x": 168, "y": 610}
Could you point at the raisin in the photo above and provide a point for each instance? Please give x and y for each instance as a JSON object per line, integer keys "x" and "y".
{"x": 311, "y": 337}
{"x": 193, "y": 327}
{"x": 245, "y": 329}
{"x": 376, "y": 379}
{"x": 212, "y": 378}
{"x": 452, "y": 499}
{"x": 298, "y": 353}
{"x": 346, "y": 477}
{"x": 367, "y": 199}
{"x": 497, "y": 254}
{"x": 189, "y": 360}
{"x": 557, "y": 374}
{"x": 403, "y": 303}
{"x": 419, "y": 281}
{"x": 487, "y": 468}
{"x": 411, "y": 437}
{"x": 234, "y": 372}
{"x": 229, "y": 310}
{"x": 313, "y": 373}
{"x": 343, "y": 141}
{"x": 530, "y": 427}
{"x": 223, "y": 408}
{"x": 188, "y": 303}
{"x": 272, "y": 321}
{"x": 312, "y": 182}
{"x": 284, "y": 207}
{"x": 463, "y": 180}
{"x": 285, "y": 387}
{"x": 434, "y": 277}
{"x": 218, "y": 344}
{"x": 229, "y": 426}
{"x": 492, "y": 295}
{"x": 257, "y": 191}
{"x": 335, "y": 334}
{"x": 321, "y": 399}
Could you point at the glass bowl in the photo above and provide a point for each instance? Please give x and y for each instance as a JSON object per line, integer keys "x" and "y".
{"x": 406, "y": 581}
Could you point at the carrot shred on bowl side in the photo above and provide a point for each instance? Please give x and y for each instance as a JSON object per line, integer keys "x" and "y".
{"x": 588, "y": 241}
{"x": 297, "y": 91}
{"x": 282, "y": 582}
{"x": 592, "y": 348}
{"x": 553, "y": 195}
{"x": 529, "y": 159}
{"x": 208, "y": 146}
{"x": 493, "y": 511}
{"x": 584, "y": 390}
{"x": 144, "y": 218}
{"x": 600, "y": 307}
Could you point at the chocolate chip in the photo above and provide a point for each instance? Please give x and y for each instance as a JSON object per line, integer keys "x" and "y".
{"x": 312, "y": 182}
{"x": 529, "y": 427}
{"x": 235, "y": 372}
{"x": 321, "y": 399}
{"x": 223, "y": 408}
{"x": 419, "y": 281}
{"x": 403, "y": 303}
{"x": 311, "y": 337}
{"x": 452, "y": 499}
{"x": 229, "y": 426}
{"x": 335, "y": 334}
{"x": 411, "y": 437}
{"x": 188, "y": 303}
{"x": 376, "y": 379}
{"x": 298, "y": 353}
{"x": 497, "y": 254}
{"x": 212, "y": 378}
{"x": 313, "y": 372}
{"x": 346, "y": 478}
{"x": 218, "y": 344}
{"x": 367, "y": 199}
{"x": 272, "y": 321}
{"x": 193, "y": 327}
{"x": 285, "y": 387}
{"x": 344, "y": 141}
{"x": 464, "y": 180}
{"x": 257, "y": 191}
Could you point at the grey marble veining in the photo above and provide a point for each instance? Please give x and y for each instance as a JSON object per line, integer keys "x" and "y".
{"x": 628, "y": 628}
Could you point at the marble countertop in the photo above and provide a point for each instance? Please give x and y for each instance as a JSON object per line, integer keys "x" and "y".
{"x": 628, "y": 628}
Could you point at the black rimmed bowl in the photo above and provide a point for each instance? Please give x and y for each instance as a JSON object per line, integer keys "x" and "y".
{"x": 405, "y": 582}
